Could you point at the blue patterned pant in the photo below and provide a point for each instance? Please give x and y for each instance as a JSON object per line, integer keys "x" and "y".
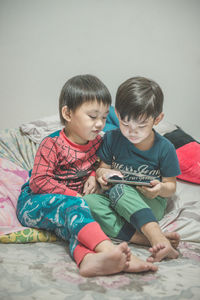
{"x": 64, "y": 215}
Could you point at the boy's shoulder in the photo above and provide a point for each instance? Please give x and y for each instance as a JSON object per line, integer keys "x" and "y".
{"x": 112, "y": 137}
{"x": 54, "y": 134}
{"x": 51, "y": 140}
{"x": 163, "y": 143}
{"x": 112, "y": 133}
{"x": 160, "y": 139}
{"x": 58, "y": 139}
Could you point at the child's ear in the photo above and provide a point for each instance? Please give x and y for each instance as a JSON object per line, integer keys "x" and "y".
{"x": 159, "y": 118}
{"x": 66, "y": 113}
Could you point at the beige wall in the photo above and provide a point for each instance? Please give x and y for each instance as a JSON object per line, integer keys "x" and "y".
{"x": 44, "y": 42}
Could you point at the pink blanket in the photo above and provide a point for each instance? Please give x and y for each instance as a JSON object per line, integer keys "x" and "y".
{"x": 12, "y": 177}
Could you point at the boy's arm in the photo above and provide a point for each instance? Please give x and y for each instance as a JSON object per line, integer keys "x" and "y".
{"x": 165, "y": 188}
{"x": 42, "y": 179}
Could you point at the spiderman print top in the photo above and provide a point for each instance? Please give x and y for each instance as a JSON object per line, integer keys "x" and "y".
{"x": 62, "y": 167}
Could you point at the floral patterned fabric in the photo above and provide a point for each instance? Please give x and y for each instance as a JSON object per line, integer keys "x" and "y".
{"x": 12, "y": 177}
{"x": 45, "y": 271}
{"x": 17, "y": 147}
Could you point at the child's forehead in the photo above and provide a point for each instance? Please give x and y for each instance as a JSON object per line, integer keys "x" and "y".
{"x": 94, "y": 105}
{"x": 139, "y": 120}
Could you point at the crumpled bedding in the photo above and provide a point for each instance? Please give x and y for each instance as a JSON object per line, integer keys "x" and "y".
{"x": 19, "y": 146}
{"x": 182, "y": 215}
{"x": 39, "y": 129}
{"x": 50, "y": 271}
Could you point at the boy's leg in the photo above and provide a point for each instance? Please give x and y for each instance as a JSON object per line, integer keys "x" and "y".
{"x": 104, "y": 260}
{"x": 129, "y": 203}
{"x": 54, "y": 212}
{"x": 134, "y": 207}
{"x": 69, "y": 217}
{"x": 110, "y": 221}
{"x": 116, "y": 226}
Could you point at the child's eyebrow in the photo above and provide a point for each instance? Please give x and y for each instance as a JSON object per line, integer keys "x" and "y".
{"x": 97, "y": 111}
{"x": 143, "y": 121}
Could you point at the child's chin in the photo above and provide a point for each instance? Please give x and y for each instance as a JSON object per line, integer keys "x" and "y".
{"x": 93, "y": 135}
{"x": 134, "y": 140}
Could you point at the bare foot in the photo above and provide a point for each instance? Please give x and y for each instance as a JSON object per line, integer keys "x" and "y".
{"x": 139, "y": 238}
{"x": 137, "y": 265}
{"x": 162, "y": 250}
{"x": 107, "y": 262}
{"x": 160, "y": 245}
{"x": 173, "y": 237}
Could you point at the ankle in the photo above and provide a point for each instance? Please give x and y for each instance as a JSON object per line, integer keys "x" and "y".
{"x": 152, "y": 231}
{"x": 103, "y": 246}
{"x": 149, "y": 227}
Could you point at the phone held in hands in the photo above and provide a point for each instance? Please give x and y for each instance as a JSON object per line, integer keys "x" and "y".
{"x": 117, "y": 179}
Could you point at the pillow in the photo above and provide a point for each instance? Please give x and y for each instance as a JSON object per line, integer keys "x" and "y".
{"x": 28, "y": 235}
{"x": 189, "y": 160}
{"x": 12, "y": 177}
{"x": 179, "y": 138}
{"x": 188, "y": 152}
{"x": 37, "y": 130}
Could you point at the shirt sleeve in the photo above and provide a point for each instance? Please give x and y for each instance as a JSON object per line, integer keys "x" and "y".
{"x": 42, "y": 178}
{"x": 169, "y": 164}
{"x": 105, "y": 152}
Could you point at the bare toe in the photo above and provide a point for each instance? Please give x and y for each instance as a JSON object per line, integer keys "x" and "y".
{"x": 161, "y": 252}
{"x": 137, "y": 265}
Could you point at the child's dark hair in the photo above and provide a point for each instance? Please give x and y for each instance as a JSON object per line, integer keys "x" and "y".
{"x": 80, "y": 89}
{"x": 139, "y": 97}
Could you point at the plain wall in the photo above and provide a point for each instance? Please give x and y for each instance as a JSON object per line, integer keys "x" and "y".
{"x": 43, "y": 43}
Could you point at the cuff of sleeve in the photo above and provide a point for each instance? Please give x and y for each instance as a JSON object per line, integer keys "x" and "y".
{"x": 93, "y": 173}
{"x": 79, "y": 253}
{"x": 91, "y": 235}
{"x": 142, "y": 217}
{"x": 69, "y": 192}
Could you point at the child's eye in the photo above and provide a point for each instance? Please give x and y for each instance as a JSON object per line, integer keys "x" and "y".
{"x": 124, "y": 124}
{"x": 92, "y": 117}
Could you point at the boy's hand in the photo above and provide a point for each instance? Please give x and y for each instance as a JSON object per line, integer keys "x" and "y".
{"x": 151, "y": 192}
{"x": 104, "y": 175}
{"x": 166, "y": 188}
{"x": 79, "y": 195}
{"x": 90, "y": 186}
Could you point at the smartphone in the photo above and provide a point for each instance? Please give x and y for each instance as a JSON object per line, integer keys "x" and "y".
{"x": 117, "y": 179}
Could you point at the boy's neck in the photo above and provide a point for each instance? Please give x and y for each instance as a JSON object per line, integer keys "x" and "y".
{"x": 147, "y": 143}
{"x": 74, "y": 139}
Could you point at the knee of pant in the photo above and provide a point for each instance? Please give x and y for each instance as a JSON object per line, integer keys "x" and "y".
{"x": 89, "y": 199}
{"x": 118, "y": 190}
{"x": 95, "y": 201}
{"x": 130, "y": 189}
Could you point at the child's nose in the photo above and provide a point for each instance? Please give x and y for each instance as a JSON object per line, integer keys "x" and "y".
{"x": 100, "y": 123}
{"x": 132, "y": 130}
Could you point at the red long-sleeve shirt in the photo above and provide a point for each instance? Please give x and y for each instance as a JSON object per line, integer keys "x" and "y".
{"x": 62, "y": 167}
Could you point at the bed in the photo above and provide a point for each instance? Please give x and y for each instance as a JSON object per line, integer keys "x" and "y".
{"x": 35, "y": 264}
